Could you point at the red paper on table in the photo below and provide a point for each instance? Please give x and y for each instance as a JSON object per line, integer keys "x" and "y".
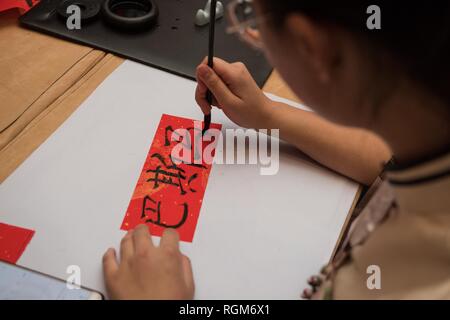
{"x": 13, "y": 241}
{"x": 170, "y": 189}
{"x": 22, "y": 5}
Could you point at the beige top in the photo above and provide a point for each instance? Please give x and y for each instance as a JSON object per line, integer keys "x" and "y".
{"x": 404, "y": 229}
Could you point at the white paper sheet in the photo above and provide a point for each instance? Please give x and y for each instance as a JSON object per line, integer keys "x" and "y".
{"x": 257, "y": 236}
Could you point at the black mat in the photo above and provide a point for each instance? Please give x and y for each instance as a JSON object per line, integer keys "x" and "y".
{"x": 175, "y": 44}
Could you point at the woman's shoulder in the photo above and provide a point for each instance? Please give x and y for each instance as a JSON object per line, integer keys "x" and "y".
{"x": 408, "y": 254}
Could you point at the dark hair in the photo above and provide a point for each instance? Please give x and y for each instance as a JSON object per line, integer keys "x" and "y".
{"x": 417, "y": 35}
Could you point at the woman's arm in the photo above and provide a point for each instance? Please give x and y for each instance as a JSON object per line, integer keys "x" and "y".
{"x": 353, "y": 152}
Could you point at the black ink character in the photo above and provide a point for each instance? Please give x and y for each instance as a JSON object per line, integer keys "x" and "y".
{"x": 197, "y": 133}
{"x": 149, "y": 205}
{"x": 171, "y": 174}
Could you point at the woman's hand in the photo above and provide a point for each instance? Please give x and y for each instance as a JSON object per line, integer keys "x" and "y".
{"x": 235, "y": 92}
{"x": 148, "y": 272}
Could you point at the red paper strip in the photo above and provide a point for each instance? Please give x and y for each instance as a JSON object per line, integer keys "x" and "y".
{"x": 169, "y": 193}
{"x": 23, "y": 5}
{"x": 13, "y": 241}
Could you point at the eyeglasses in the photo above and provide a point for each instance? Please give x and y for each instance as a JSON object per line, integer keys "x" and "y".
{"x": 243, "y": 21}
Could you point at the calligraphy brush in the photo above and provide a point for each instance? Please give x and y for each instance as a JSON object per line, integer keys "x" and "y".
{"x": 212, "y": 24}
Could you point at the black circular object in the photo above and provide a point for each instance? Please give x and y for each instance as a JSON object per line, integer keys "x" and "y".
{"x": 88, "y": 8}
{"x": 130, "y": 14}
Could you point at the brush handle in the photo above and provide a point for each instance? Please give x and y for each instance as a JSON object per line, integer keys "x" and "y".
{"x": 212, "y": 24}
